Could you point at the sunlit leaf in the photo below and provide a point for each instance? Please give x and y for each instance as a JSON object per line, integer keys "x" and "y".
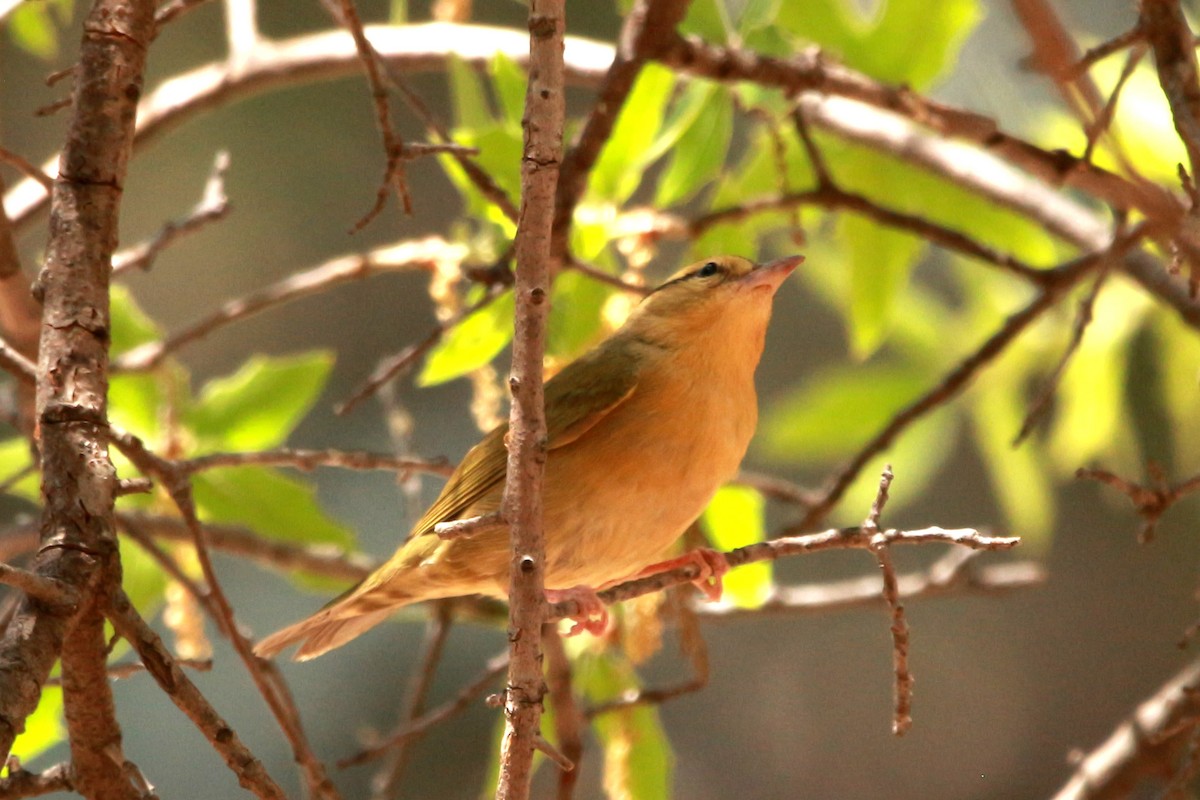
{"x": 905, "y": 41}
{"x": 509, "y": 80}
{"x": 131, "y": 326}
{"x": 1180, "y": 388}
{"x": 268, "y": 502}
{"x": 618, "y": 170}
{"x": 32, "y": 28}
{"x": 638, "y": 762}
{"x": 1092, "y": 418}
{"x": 260, "y": 404}
{"x": 1018, "y": 475}
{"x": 135, "y": 403}
{"x": 575, "y": 321}
{"x": 757, "y": 14}
{"x": 699, "y": 154}
{"x": 880, "y": 263}
{"x": 44, "y": 728}
{"x": 708, "y": 19}
{"x": 472, "y": 343}
{"x": 734, "y": 518}
{"x": 835, "y": 412}
{"x": 141, "y": 578}
{"x": 15, "y": 458}
{"x": 471, "y": 110}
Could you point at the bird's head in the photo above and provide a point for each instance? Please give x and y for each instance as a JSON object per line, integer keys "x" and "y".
{"x": 725, "y": 293}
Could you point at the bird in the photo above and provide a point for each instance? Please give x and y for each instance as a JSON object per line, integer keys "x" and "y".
{"x": 641, "y": 432}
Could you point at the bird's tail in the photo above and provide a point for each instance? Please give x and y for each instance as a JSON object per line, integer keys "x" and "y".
{"x": 331, "y": 627}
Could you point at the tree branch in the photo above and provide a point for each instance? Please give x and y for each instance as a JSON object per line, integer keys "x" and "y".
{"x": 79, "y": 548}
{"x": 521, "y": 504}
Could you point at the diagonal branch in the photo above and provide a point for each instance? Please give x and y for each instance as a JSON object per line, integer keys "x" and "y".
{"x": 648, "y": 30}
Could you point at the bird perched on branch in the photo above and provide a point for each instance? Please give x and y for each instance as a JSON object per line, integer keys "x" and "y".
{"x": 641, "y": 431}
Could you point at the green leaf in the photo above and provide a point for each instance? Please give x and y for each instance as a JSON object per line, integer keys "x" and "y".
{"x": 708, "y": 19}
{"x": 699, "y": 154}
{"x": 1092, "y": 416}
{"x": 509, "y": 81}
{"x": 638, "y": 762}
{"x": 908, "y": 41}
{"x": 575, "y": 322}
{"x": 618, "y": 170}
{"x": 135, "y": 403}
{"x": 130, "y": 325}
{"x": 1018, "y": 475}
{"x": 270, "y": 503}
{"x": 32, "y": 28}
{"x": 259, "y": 405}
{"x": 471, "y": 110}
{"x": 735, "y": 518}
{"x": 500, "y": 150}
{"x": 15, "y": 458}
{"x": 471, "y": 344}
{"x": 44, "y": 728}
{"x": 141, "y": 578}
{"x": 757, "y": 14}
{"x": 681, "y": 116}
{"x": 835, "y": 412}
{"x": 881, "y": 261}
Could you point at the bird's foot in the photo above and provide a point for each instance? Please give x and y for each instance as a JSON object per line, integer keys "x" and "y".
{"x": 593, "y": 614}
{"x": 711, "y": 564}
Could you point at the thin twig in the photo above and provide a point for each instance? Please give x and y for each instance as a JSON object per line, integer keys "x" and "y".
{"x": 394, "y": 366}
{"x": 308, "y": 460}
{"x": 462, "y": 528}
{"x": 468, "y": 694}
{"x": 1083, "y": 319}
{"x": 422, "y": 254}
{"x": 831, "y": 539}
{"x": 1151, "y": 502}
{"x": 213, "y": 206}
{"x": 20, "y": 782}
{"x": 265, "y": 675}
{"x": 167, "y": 672}
{"x": 881, "y": 548}
{"x": 954, "y": 381}
{"x": 39, "y": 587}
{"x": 386, "y": 782}
{"x": 344, "y": 12}
{"x": 569, "y": 722}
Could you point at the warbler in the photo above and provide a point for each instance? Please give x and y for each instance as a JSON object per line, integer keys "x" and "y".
{"x": 641, "y": 432}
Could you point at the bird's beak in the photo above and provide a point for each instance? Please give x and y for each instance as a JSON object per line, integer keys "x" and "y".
{"x": 771, "y": 275}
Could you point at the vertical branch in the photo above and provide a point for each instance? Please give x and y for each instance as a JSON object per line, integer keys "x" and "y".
{"x": 78, "y": 542}
{"x": 522, "y": 503}
{"x": 1175, "y": 56}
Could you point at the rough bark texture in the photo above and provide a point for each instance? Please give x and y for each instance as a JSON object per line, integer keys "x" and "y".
{"x": 78, "y": 543}
{"x": 522, "y": 506}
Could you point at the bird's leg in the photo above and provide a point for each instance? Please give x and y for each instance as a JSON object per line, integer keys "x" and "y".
{"x": 593, "y": 614}
{"x": 711, "y": 564}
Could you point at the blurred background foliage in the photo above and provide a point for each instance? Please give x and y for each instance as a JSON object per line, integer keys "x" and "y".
{"x": 874, "y": 319}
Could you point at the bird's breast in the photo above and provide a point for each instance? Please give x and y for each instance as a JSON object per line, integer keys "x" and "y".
{"x": 617, "y": 498}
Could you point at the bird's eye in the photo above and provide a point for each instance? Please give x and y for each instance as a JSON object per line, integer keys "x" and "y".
{"x": 708, "y": 270}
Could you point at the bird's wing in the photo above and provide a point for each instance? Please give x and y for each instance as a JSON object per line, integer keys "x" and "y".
{"x": 576, "y": 399}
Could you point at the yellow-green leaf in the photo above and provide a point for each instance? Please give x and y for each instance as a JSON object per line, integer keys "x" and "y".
{"x": 472, "y": 343}
{"x": 735, "y": 518}
{"x": 260, "y": 404}
{"x": 43, "y": 728}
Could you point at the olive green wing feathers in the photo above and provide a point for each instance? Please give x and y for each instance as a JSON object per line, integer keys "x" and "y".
{"x": 577, "y": 398}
